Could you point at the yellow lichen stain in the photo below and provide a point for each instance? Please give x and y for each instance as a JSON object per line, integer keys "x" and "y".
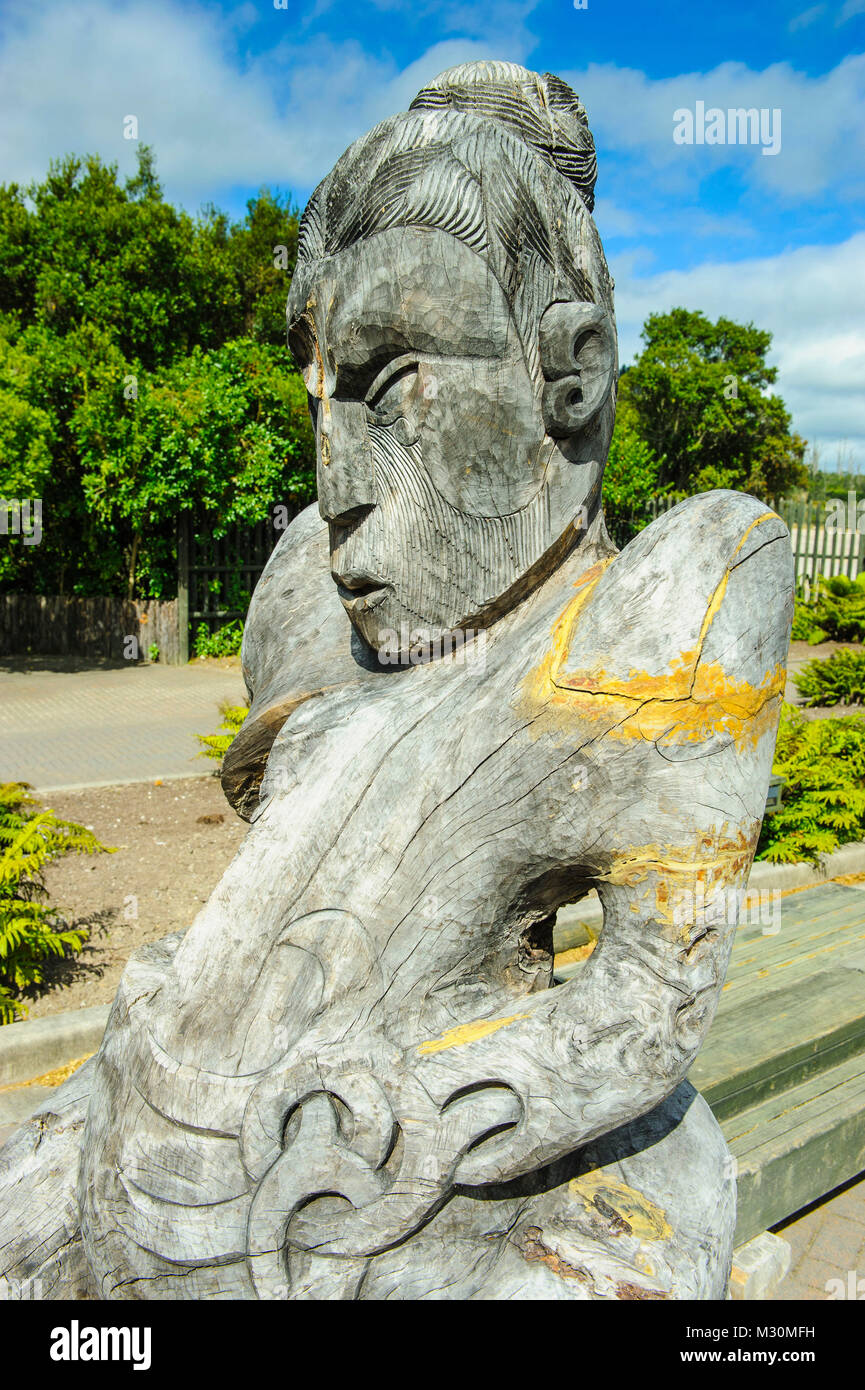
{"x": 574, "y": 955}
{"x": 691, "y": 701}
{"x": 680, "y": 880}
{"x": 646, "y": 1220}
{"x": 468, "y": 1032}
{"x": 541, "y": 687}
{"x": 50, "y": 1078}
{"x": 711, "y": 860}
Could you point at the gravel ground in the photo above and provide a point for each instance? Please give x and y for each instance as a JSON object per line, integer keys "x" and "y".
{"x": 173, "y": 842}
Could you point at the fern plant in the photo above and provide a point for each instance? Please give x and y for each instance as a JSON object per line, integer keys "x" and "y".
{"x": 805, "y": 625}
{"x": 839, "y": 680}
{"x": 836, "y": 611}
{"x": 823, "y": 806}
{"x": 31, "y": 930}
{"x": 217, "y": 745}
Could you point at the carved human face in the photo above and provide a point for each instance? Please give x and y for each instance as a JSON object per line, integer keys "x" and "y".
{"x": 431, "y": 447}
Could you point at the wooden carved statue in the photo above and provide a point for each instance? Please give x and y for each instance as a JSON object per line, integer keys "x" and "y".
{"x": 353, "y": 1077}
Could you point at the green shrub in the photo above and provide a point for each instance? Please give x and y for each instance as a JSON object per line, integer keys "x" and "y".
{"x": 835, "y": 613}
{"x": 838, "y": 680}
{"x": 630, "y": 479}
{"x": 823, "y": 805}
{"x": 224, "y": 642}
{"x": 217, "y": 745}
{"x": 31, "y": 931}
{"x": 805, "y": 625}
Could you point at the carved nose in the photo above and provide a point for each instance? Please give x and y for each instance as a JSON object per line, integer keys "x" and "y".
{"x": 346, "y": 477}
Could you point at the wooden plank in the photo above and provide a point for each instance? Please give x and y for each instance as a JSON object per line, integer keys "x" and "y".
{"x": 183, "y": 589}
{"x": 767, "y": 1044}
{"x": 792, "y": 1004}
{"x": 754, "y": 949}
{"x": 793, "y": 1149}
{"x": 799, "y": 911}
{"x": 787, "y": 972}
{"x": 798, "y": 552}
{"x": 840, "y": 935}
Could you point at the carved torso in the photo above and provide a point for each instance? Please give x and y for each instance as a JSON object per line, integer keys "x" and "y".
{"x": 383, "y": 937}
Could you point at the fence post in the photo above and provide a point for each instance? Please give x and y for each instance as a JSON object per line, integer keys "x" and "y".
{"x": 183, "y": 588}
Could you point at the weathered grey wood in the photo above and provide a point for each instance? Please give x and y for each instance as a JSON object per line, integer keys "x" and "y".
{"x": 41, "y": 1250}
{"x": 60, "y": 625}
{"x": 351, "y": 1078}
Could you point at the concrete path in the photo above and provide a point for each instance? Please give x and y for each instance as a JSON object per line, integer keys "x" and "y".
{"x": 828, "y": 1241}
{"x": 101, "y": 724}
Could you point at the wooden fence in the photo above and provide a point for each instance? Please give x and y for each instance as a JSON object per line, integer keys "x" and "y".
{"x": 216, "y": 577}
{"x": 215, "y": 580}
{"x": 112, "y": 628}
{"x": 821, "y": 543}
{"x": 826, "y": 539}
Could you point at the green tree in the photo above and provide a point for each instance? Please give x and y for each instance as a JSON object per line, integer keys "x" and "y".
{"x": 263, "y": 252}
{"x": 630, "y": 477}
{"x": 699, "y": 393}
{"x": 117, "y": 256}
{"x": 225, "y": 431}
{"x": 143, "y": 370}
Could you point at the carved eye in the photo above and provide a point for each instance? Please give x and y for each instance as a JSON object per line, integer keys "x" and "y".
{"x": 390, "y": 395}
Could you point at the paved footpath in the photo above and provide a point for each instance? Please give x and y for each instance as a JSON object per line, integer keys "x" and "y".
{"x": 828, "y": 1241}
{"x": 107, "y": 724}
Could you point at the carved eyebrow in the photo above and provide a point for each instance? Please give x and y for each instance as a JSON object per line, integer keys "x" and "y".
{"x": 359, "y": 380}
{"x": 396, "y": 367}
{"x": 301, "y": 340}
{"x": 352, "y": 378}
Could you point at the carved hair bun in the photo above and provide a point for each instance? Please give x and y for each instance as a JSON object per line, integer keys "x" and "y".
{"x": 542, "y": 110}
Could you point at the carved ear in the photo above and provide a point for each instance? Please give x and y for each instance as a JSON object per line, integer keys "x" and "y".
{"x": 578, "y": 360}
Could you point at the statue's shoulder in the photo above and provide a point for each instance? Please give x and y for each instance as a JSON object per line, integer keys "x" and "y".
{"x": 711, "y": 581}
{"x": 297, "y": 644}
{"x": 295, "y": 601}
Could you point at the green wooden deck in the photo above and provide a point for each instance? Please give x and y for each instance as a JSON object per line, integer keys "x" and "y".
{"x": 783, "y": 1066}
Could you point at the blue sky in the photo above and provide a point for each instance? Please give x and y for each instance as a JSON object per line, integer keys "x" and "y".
{"x": 235, "y": 95}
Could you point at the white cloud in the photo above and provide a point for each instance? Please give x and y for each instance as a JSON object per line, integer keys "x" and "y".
{"x": 813, "y": 302}
{"x": 69, "y": 75}
{"x": 614, "y": 220}
{"x": 822, "y": 132}
{"x": 807, "y": 17}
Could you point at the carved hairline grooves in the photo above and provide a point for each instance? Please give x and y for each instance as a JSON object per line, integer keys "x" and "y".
{"x": 488, "y": 114}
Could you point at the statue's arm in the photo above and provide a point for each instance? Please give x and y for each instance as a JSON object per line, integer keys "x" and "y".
{"x": 596, "y": 1052}
{"x": 606, "y": 1047}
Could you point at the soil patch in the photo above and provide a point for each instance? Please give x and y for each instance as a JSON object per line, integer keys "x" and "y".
{"x": 173, "y": 841}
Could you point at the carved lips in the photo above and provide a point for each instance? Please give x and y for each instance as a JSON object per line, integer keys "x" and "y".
{"x": 360, "y": 593}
